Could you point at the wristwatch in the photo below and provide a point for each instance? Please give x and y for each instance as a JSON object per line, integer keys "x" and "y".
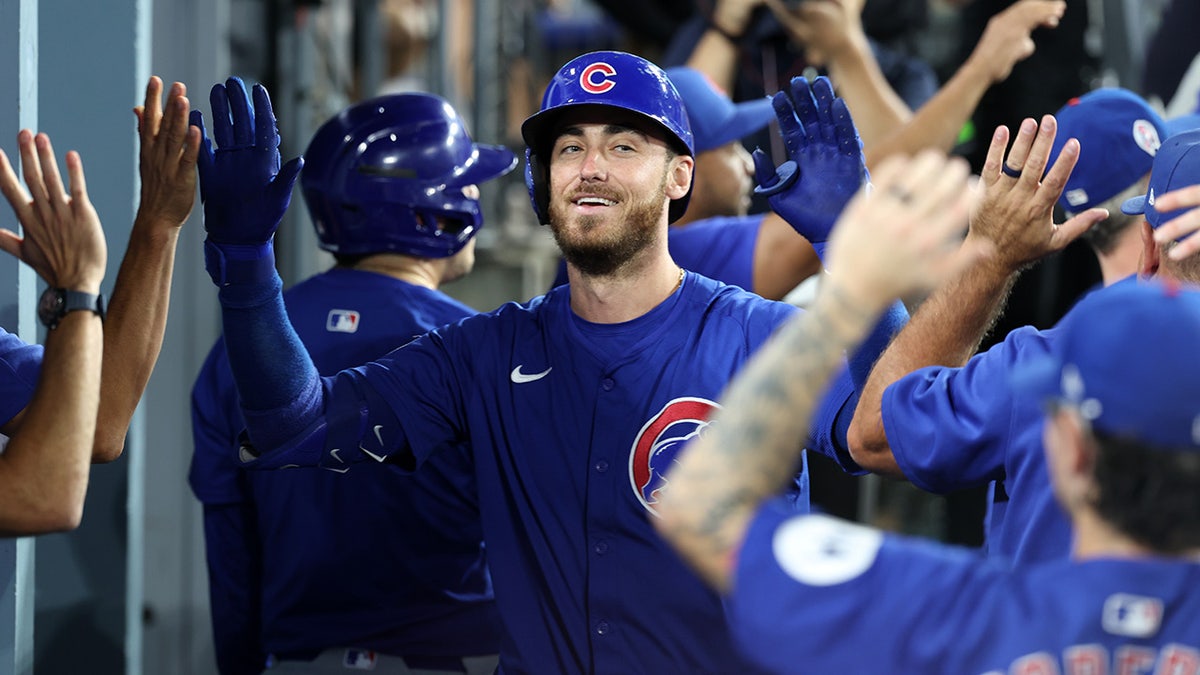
{"x": 56, "y": 302}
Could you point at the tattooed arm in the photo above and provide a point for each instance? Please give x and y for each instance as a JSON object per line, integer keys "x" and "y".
{"x": 902, "y": 238}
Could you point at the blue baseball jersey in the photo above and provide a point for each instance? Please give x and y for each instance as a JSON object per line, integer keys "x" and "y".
{"x": 955, "y": 428}
{"x": 572, "y": 426}
{"x": 22, "y": 366}
{"x": 817, "y": 595}
{"x": 720, "y": 248}
{"x": 378, "y": 560}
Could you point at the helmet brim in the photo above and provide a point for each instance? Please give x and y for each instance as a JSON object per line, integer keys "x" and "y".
{"x": 487, "y": 162}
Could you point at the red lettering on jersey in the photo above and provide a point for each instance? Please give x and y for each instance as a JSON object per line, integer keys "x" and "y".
{"x": 1134, "y": 660}
{"x": 1039, "y": 663}
{"x": 598, "y": 78}
{"x": 1085, "y": 660}
{"x": 1178, "y": 660}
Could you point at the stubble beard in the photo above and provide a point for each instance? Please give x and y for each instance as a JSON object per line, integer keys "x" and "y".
{"x": 603, "y": 256}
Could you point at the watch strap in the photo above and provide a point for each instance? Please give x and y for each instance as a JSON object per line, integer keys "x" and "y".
{"x": 79, "y": 300}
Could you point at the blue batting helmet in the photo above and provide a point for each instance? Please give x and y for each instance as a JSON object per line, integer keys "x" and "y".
{"x": 609, "y": 79}
{"x": 384, "y": 175}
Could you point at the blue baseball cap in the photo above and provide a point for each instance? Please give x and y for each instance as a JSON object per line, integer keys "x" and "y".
{"x": 1126, "y": 358}
{"x": 1178, "y": 125}
{"x": 1177, "y": 165}
{"x": 1118, "y": 134}
{"x": 717, "y": 120}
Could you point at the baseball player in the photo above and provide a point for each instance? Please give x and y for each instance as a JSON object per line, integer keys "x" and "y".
{"x": 565, "y": 401}
{"x": 1118, "y": 134}
{"x": 809, "y": 593}
{"x": 47, "y": 495}
{"x": 716, "y": 237}
{"x": 946, "y": 428}
{"x": 390, "y": 183}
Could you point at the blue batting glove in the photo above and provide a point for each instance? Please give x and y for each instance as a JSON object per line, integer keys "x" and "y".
{"x": 244, "y": 191}
{"x": 825, "y": 165}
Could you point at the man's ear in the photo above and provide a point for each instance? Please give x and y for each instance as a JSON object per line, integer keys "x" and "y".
{"x": 1151, "y": 252}
{"x": 679, "y": 176}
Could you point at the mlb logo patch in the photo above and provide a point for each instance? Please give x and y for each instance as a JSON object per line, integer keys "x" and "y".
{"x": 360, "y": 660}
{"x": 1135, "y": 616}
{"x": 342, "y": 321}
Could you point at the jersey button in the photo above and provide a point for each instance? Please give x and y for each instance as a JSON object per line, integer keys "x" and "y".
{"x": 601, "y": 466}
{"x": 607, "y": 384}
{"x": 601, "y": 547}
{"x": 602, "y": 628}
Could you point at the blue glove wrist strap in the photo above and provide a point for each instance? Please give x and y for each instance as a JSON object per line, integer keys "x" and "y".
{"x": 230, "y": 264}
{"x": 786, "y": 173}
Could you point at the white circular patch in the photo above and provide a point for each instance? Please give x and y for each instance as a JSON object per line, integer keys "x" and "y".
{"x": 822, "y": 551}
{"x": 1146, "y": 137}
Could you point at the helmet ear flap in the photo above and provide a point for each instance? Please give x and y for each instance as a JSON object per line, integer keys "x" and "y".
{"x": 537, "y": 179}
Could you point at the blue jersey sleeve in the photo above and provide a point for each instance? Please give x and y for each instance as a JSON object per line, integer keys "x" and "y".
{"x": 421, "y": 383}
{"x": 949, "y": 428}
{"x": 20, "y": 367}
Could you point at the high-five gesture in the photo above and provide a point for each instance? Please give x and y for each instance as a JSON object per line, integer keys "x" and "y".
{"x": 1016, "y": 207}
{"x": 62, "y": 241}
{"x": 244, "y": 190}
{"x": 169, "y": 149}
{"x": 825, "y": 166}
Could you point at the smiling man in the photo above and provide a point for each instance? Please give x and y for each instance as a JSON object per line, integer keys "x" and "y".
{"x": 570, "y": 404}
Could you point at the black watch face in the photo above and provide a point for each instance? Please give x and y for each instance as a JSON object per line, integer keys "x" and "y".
{"x": 50, "y": 306}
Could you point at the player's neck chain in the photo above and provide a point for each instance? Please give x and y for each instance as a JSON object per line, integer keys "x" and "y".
{"x": 677, "y": 283}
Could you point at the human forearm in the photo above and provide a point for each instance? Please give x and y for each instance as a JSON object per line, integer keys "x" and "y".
{"x": 878, "y": 111}
{"x": 936, "y": 124}
{"x": 133, "y": 332}
{"x": 945, "y": 330}
{"x": 44, "y": 469}
{"x": 716, "y": 56}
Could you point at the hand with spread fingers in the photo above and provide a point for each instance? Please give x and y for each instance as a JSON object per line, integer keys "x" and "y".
{"x": 169, "y": 150}
{"x": 825, "y": 165}
{"x": 1015, "y": 207}
{"x": 63, "y": 240}
{"x": 244, "y": 190}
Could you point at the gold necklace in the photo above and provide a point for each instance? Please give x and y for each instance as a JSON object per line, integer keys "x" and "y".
{"x": 677, "y": 283}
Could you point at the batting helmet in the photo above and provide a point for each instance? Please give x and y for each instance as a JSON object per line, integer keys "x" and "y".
{"x": 609, "y": 79}
{"x": 383, "y": 176}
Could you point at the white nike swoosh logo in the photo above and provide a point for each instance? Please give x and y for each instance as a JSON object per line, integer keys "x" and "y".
{"x": 521, "y": 378}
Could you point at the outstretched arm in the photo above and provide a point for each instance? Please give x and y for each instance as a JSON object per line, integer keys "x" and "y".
{"x": 901, "y": 238}
{"x": 44, "y": 469}
{"x": 137, "y": 315}
{"x": 245, "y": 193}
{"x": 831, "y": 33}
{"x": 1015, "y": 217}
{"x": 1006, "y": 41}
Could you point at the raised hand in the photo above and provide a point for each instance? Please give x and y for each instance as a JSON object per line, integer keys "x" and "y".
{"x": 1015, "y": 211}
{"x": 244, "y": 190}
{"x": 1007, "y": 39}
{"x": 825, "y": 166}
{"x": 169, "y": 149}
{"x": 63, "y": 241}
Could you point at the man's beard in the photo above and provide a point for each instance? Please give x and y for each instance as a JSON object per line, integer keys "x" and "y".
{"x": 602, "y": 257}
